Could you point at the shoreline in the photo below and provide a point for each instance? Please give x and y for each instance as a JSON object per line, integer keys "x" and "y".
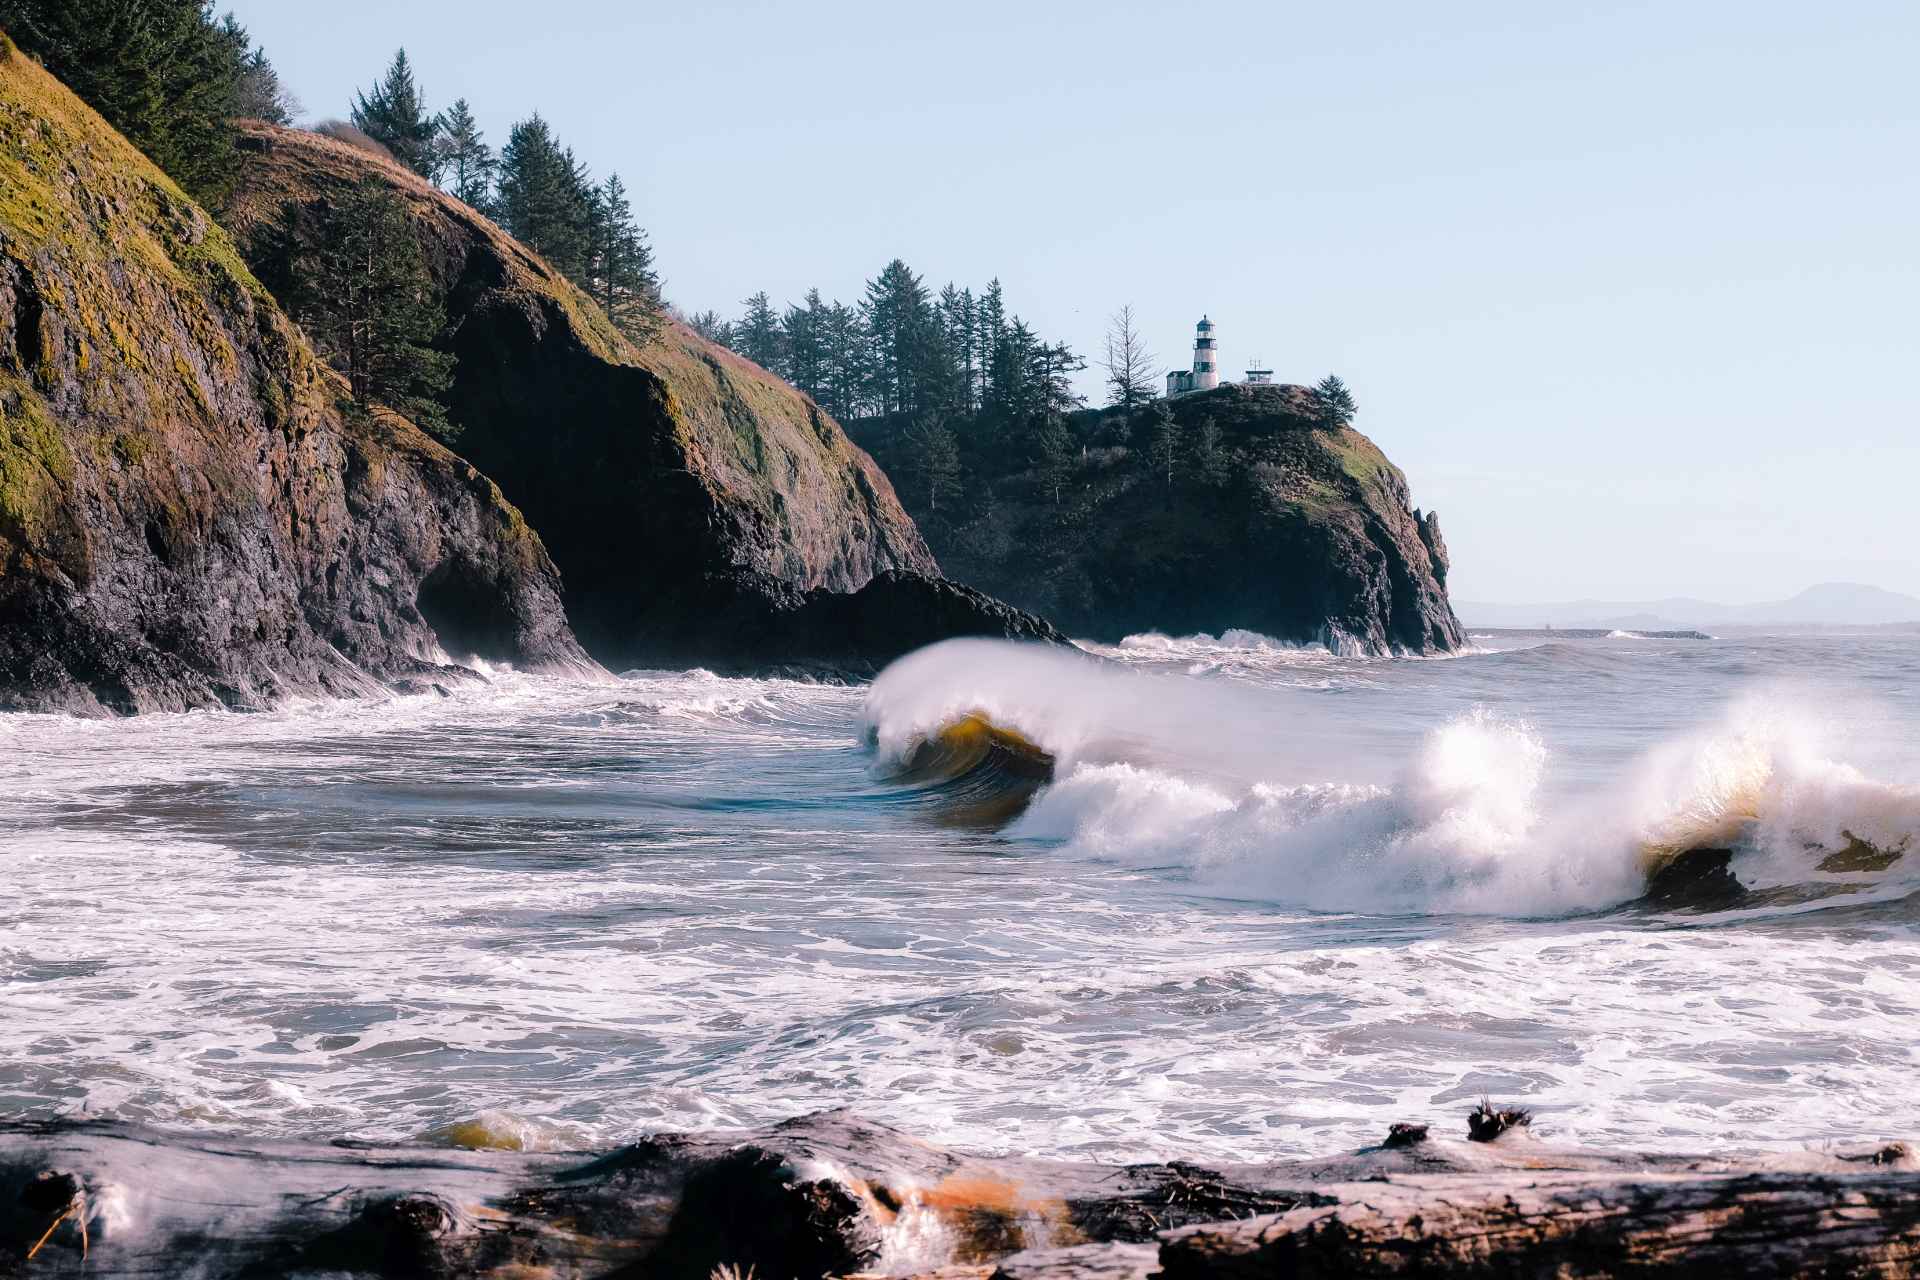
{"x": 830, "y": 1194}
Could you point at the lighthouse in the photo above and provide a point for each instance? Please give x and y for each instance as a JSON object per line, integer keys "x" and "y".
{"x": 1206, "y": 367}
{"x": 1205, "y": 374}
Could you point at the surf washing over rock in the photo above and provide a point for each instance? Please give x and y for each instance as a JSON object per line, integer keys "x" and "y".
{"x": 1155, "y": 769}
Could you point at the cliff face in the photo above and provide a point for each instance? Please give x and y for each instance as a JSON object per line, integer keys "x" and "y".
{"x": 187, "y": 517}
{"x": 1304, "y": 534}
{"x": 691, "y": 498}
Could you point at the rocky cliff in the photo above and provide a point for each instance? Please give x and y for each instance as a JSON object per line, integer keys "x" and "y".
{"x": 701, "y": 510}
{"x": 187, "y": 515}
{"x": 1296, "y": 532}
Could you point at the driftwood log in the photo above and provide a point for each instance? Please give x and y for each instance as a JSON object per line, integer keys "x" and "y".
{"x": 832, "y": 1195}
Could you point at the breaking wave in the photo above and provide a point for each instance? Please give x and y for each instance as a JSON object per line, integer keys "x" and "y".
{"x": 1255, "y": 794}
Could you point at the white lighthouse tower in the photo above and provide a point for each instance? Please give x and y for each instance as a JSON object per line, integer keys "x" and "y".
{"x": 1205, "y": 374}
{"x": 1206, "y": 364}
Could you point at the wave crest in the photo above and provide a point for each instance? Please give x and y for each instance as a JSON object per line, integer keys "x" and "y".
{"x": 1250, "y": 793}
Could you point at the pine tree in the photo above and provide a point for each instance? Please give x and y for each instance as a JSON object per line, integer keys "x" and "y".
{"x": 804, "y": 341}
{"x": 758, "y": 332}
{"x": 258, "y": 94}
{"x": 899, "y": 324}
{"x": 544, "y": 200}
{"x": 625, "y": 285}
{"x": 466, "y": 161}
{"x": 990, "y": 344}
{"x": 1054, "y": 364}
{"x": 162, "y": 72}
{"x": 935, "y": 458}
{"x": 394, "y": 115}
{"x": 1163, "y": 446}
{"x": 845, "y": 340}
{"x": 1333, "y": 405}
{"x": 1053, "y": 457}
{"x": 367, "y": 301}
{"x": 710, "y": 326}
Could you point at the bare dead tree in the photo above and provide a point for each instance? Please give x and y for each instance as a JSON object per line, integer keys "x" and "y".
{"x": 1132, "y": 372}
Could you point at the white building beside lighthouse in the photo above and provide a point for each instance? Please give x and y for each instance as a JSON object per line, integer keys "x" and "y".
{"x": 1205, "y": 374}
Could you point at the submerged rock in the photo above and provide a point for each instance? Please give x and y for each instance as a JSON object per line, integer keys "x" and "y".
{"x": 188, "y": 518}
{"x": 701, "y": 510}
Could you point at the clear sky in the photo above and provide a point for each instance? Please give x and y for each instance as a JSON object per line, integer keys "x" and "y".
{"x": 1630, "y": 290}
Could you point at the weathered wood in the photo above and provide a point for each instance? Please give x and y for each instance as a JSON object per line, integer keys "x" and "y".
{"x": 831, "y": 1194}
{"x": 1082, "y": 1262}
{"x": 1670, "y": 1225}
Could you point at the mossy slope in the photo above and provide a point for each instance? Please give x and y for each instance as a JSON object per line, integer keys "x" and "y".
{"x": 689, "y": 496}
{"x": 186, "y": 516}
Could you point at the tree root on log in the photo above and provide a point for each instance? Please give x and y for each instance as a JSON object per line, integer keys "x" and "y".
{"x": 833, "y": 1195}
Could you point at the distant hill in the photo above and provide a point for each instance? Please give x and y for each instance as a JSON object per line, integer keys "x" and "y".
{"x": 1831, "y": 604}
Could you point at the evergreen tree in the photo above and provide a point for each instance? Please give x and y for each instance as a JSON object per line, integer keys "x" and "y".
{"x": 898, "y": 323}
{"x": 956, "y": 323}
{"x": 625, "y": 285}
{"x": 1163, "y": 446}
{"x": 258, "y": 93}
{"x": 1053, "y": 457}
{"x": 393, "y": 114}
{"x": 990, "y": 344}
{"x": 758, "y": 332}
{"x": 1055, "y": 363}
{"x": 370, "y": 307}
{"x": 1207, "y": 457}
{"x": 935, "y": 457}
{"x": 1333, "y": 405}
{"x": 710, "y": 326}
{"x": 162, "y": 72}
{"x": 466, "y": 161}
{"x": 544, "y": 200}
{"x": 804, "y": 341}
{"x": 844, "y": 338}
{"x": 1016, "y": 359}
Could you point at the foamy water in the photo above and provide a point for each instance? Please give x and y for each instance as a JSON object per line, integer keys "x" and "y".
{"x": 1274, "y": 900}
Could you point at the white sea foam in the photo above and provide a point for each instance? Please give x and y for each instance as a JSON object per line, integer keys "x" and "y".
{"x": 554, "y": 912}
{"x": 1256, "y": 795}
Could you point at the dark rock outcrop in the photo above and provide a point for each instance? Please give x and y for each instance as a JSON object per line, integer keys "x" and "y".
{"x": 832, "y": 1195}
{"x": 855, "y": 633}
{"x": 697, "y": 505}
{"x": 187, "y": 516}
{"x": 1304, "y": 534}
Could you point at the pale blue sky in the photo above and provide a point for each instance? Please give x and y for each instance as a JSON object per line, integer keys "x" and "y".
{"x": 1629, "y": 290}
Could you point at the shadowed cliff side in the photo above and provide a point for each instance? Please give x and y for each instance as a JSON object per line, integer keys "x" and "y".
{"x": 698, "y": 506}
{"x": 1285, "y": 528}
{"x": 187, "y": 516}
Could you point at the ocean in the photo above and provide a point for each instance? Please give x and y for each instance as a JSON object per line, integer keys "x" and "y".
{"x": 1210, "y": 898}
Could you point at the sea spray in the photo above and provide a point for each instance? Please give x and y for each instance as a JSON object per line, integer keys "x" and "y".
{"x": 1251, "y": 791}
